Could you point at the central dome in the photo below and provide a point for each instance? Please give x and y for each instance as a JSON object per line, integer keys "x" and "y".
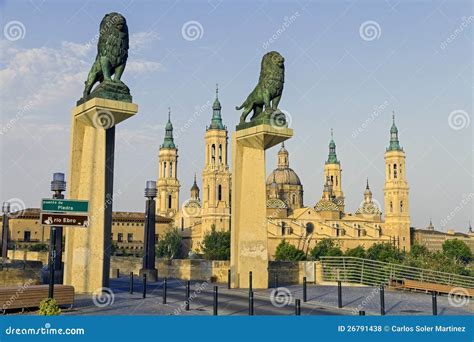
{"x": 283, "y": 176}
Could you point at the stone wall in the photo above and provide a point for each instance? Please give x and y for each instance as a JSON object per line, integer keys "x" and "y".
{"x": 28, "y": 255}
{"x": 19, "y": 277}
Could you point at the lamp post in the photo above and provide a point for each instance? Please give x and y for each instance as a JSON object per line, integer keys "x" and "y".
{"x": 149, "y": 234}
{"x": 4, "y": 241}
{"x": 58, "y": 185}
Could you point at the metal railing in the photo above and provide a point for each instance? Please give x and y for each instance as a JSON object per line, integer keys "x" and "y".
{"x": 373, "y": 273}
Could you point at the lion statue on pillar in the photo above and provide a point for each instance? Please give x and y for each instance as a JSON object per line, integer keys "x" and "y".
{"x": 267, "y": 94}
{"x": 112, "y": 53}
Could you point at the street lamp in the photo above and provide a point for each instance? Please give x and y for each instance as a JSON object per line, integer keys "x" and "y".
{"x": 149, "y": 233}
{"x": 4, "y": 241}
{"x": 58, "y": 185}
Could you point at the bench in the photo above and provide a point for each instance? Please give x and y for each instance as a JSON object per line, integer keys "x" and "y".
{"x": 430, "y": 287}
{"x": 22, "y": 297}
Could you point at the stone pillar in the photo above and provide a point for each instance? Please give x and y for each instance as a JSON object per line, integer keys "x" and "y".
{"x": 249, "y": 222}
{"x": 91, "y": 166}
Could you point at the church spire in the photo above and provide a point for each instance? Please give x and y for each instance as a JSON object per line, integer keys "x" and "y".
{"x": 332, "y": 157}
{"x": 283, "y": 162}
{"x": 394, "y": 142}
{"x": 168, "y": 142}
{"x": 216, "y": 121}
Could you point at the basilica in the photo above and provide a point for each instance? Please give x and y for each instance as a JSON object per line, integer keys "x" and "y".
{"x": 288, "y": 217}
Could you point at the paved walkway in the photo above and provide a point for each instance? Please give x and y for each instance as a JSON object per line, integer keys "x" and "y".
{"x": 322, "y": 300}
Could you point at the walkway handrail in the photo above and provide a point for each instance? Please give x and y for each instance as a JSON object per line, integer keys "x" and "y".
{"x": 374, "y": 273}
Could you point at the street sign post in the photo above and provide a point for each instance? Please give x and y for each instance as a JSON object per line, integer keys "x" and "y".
{"x": 65, "y": 206}
{"x": 50, "y": 219}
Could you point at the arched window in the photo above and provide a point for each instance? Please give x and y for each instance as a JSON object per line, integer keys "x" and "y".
{"x": 220, "y": 153}
{"x": 389, "y": 171}
{"x": 219, "y": 192}
{"x": 171, "y": 169}
{"x": 164, "y": 169}
{"x": 401, "y": 206}
{"x": 169, "y": 201}
{"x": 309, "y": 228}
{"x": 391, "y": 206}
{"x": 337, "y": 181}
{"x": 394, "y": 170}
{"x": 213, "y": 153}
{"x": 293, "y": 199}
{"x": 283, "y": 227}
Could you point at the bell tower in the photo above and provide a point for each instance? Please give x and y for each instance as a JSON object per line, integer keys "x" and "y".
{"x": 216, "y": 176}
{"x": 397, "y": 216}
{"x": 168, "y": 183}
{"x": 333, "y": 171}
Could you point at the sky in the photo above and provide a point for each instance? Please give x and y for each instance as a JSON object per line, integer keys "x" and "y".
{"x": 348, "y": 65}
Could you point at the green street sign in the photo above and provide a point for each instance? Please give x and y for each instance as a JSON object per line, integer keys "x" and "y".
{"x": 65, "y": 206}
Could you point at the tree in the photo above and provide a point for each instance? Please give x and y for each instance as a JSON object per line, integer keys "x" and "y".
{"x": 168, "y": 247}
{"x": 39, "y": 247}
{"x": 458, "y": 250}
{"x": 216, "y": 245}
{"x": 357, "y": 252}
{"x": 325, "y": 247}
{"x": 385, "y": 252}
{"x": 419, "y": 251}
{"x": 287, "y": 252}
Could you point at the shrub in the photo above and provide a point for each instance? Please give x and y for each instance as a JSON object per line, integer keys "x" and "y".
{"x": 169, "y": 246}
{"x": 287, "y": 252}
{"x": 216, "y": 245}
{"x": 385, "y": 252}
{"x": 458, "y": 250}
{"x": 39, "y": 247}
{"x": 357, "y": 252}
{"x": 325, "y": 247}
{"x": 49, "y": 307}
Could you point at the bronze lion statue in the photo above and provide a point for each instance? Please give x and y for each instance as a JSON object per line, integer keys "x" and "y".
{"x": 112, "y": 51}
{"x": 268, "y": 91}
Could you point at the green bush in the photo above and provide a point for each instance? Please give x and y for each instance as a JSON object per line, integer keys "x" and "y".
{"x": 169, "y": 246}
{"x": 39, "y": 247}
{"x": 216, "y": 245}
{"x": 49, "y": 307}
{"x": 357, "y": 252}
{"x": 287, "y": 252}
{"x": 385, "y": 252}
{"x": 326, "y": 247}
{"x": 458, "y": 250}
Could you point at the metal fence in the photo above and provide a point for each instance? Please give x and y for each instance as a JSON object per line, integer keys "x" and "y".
{"x": 373, "y": 273}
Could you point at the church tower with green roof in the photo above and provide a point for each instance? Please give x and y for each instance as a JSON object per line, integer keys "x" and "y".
{"x": 168, "y": 183}
{"x": 216, "y": 175}
{"x": 397, "y": 214}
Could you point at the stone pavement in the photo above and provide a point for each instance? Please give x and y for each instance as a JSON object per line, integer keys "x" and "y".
{"x": 322, "y": 300}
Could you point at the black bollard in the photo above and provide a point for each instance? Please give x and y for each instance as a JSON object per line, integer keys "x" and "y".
{"x": 304, "y": 290}
{"x": 118, "y": 273}
{"x": 361, "y": 313}
{"x": 434, "y": 301}
{"x": 297, "y": 307}
{"x": 228, "y": 279}
{"x": 251, "y": 303}
{"x": 276, "y": 280}
{"x": 215, "y": 300}
{"x": 131, "y": 282}
{"x": 339, "y": 294}
{"x": 382, "y": 300}
{"x": 187, "y": 295}
{"x": 144, "y": 285}
{"x": 165, "y": 288}
{"x": 250, "y": 281}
